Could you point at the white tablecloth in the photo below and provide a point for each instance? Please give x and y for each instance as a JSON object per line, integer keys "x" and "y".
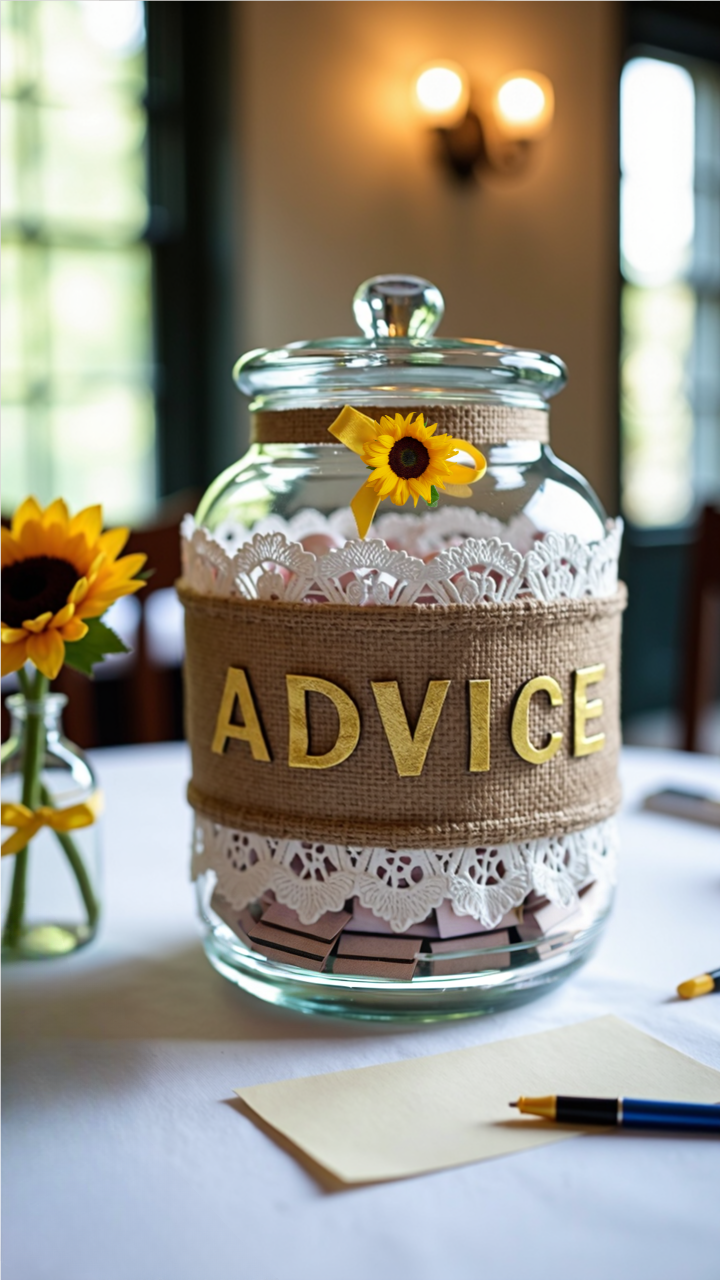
{"x": 124, "y": 1158}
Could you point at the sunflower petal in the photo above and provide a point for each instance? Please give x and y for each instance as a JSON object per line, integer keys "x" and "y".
{"x": 14, "y": 656}
{"x": 56, "y": 513}
{"x": 79, "y": 591}
{"x": 384, "y": 484}
{"x": 30, "y": 509}
{"x": 93, "y": 606}
{"x": 353, "y": 429}
{"x": 376, "y": 460}
{"x": 31, "y": 539}
{"x": 79, "y": 554}
{"x": 47, "y": 651}
{"x": 129, "y": 566}
{"x": 36, "y": 625}
{"x": 420, "y": 488}
{"x": 113, "y": 541}
{"x": 12, "y": 635}
{"x": 440, "y": 445}
{"x": 10, "y": 549}
{"x": 363, "y": 506}
{"x": 88, "y": 522}
{"x": 55, "y": 540}
{"x": 112, "y": 577}
{"x": 74, "y": 630}
{"x": 63, "y": 615}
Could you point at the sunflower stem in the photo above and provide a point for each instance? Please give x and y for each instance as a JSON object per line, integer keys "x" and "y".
{"x": 77, "y": 865}
{"x": 34, "y": 690}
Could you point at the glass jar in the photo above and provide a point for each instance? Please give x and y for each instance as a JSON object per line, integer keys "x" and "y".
{"x": 320, "y": 917}
{"x": 50, "y": 888}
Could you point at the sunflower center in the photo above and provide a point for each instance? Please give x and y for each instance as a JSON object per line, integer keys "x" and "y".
{"x": 34, "y": 586}
{"x": 408, "y": 458}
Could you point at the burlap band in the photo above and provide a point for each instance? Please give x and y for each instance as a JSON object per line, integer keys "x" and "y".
{"x": 363, "y": 801}
{"x": 481, "y": 424}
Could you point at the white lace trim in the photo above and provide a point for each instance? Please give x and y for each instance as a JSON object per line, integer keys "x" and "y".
{"x": 402, "y": 887}
{"x": 451, "y": 562}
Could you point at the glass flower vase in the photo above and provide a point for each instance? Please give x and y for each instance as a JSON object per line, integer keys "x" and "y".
{"x": 50, "y": 887}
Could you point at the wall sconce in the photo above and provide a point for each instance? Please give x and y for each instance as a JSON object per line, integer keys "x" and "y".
{"x": 499, "y": 137}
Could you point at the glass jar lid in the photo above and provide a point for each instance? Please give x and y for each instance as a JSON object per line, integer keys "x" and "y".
{"x": 398, "y": 360}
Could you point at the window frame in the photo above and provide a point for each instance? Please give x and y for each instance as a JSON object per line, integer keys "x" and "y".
{"x": 655, "y": 563}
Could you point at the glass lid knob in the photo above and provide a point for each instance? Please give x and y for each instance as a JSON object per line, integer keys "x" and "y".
{"x": 398, "y": 307}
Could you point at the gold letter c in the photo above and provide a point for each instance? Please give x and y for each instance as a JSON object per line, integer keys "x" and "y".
{"x": 520, "y": 731}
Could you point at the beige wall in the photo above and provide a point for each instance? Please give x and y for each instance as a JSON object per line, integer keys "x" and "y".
{"x": 339, "y": 183}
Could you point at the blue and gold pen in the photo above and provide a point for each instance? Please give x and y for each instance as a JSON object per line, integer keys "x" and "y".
{"x": 625, "y": 1113}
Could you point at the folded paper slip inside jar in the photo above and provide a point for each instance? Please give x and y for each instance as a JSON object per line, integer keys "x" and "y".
{"x": 480, "y": 424}
{"x": 403, "y": 728}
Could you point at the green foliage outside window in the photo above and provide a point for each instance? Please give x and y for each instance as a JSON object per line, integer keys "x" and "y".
{"x": 77, "y": 368}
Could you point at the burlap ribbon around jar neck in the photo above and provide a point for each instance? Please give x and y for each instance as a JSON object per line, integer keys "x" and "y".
{"x": 362, "y": 653}
{"x": 480, "y": 424}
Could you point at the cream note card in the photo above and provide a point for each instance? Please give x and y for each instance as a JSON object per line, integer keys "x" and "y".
{"x": 404, "y": 1118}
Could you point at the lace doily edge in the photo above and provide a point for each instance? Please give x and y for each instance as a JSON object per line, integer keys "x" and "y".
{"x": 484, "y": 889}
{"x": 479, "y": 568}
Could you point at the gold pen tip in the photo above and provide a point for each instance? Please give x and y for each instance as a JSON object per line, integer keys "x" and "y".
{"x": 513, "y": 1104}
{"x": 700, "y": 986}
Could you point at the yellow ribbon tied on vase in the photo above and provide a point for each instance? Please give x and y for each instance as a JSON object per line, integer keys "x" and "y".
{"x": 406, "y": 459}
{"x": 27, "y": 822}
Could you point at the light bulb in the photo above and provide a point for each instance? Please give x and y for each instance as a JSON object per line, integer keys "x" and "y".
{"x": 442, "y": 94}
{"x": 523, "y": 105}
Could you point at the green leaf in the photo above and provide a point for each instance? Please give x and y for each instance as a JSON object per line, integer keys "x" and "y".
{"x": 434, "y": 496}
{"x": 100, "y": 640}
{"x": 145, "y": 576}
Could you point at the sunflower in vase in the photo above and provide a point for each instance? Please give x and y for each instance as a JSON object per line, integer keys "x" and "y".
{"x": 60, "y": 574}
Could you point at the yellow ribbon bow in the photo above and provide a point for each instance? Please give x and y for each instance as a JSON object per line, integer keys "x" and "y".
{"x": 28, "y": 822}
{"x": 406, "y": 459}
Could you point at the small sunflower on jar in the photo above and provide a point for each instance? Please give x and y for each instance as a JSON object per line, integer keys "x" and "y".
{"x": 407, "y": 460}
{"x": 59, "y": 575}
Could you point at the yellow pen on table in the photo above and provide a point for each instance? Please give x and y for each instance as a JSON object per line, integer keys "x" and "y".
{"x": 700, "y": 986}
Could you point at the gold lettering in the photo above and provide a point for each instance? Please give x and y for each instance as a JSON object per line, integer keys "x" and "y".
{"x": 584, "y": 710}
{"x": 409, "y": 750}
{"x": 237, "y": 686}
{"x": 348, "y": 723}
{"x": 479, "y": 694}
{"x": 520, "y": 729}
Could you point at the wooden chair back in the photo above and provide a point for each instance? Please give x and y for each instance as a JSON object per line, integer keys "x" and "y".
{"x": 702, "y": 657}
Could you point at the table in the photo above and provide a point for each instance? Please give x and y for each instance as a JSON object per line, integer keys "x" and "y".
{"x": 125, "y": 1157}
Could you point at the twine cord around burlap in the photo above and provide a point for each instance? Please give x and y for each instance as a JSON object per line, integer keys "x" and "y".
{"x": 363, "y": 801}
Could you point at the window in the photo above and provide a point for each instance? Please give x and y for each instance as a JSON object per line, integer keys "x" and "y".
{"x": 670, "y": 306}
{"x": 77, "y": 385}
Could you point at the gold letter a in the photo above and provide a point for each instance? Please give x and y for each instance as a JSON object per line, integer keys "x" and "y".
{"x": 237, "y": 686}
